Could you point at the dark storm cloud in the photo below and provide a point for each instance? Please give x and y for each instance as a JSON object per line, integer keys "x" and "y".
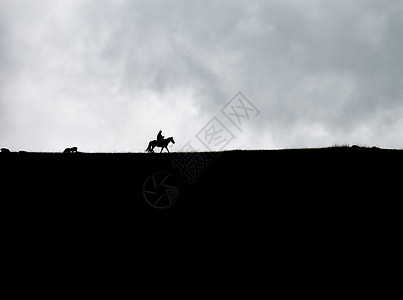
{"x": 334, "y": 66}
{"x": 109, "y": 74}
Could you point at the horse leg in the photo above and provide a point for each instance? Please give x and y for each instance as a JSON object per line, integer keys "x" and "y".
{"x": 162, "y": 148}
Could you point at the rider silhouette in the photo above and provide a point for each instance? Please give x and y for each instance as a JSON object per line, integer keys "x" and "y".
{"x": 160, "y": 137}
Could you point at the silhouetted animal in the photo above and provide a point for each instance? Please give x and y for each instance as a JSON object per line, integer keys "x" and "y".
{"x": 163, "y": 144}
{"x": 70, "y": 150}
{"x": 5, "y": 150}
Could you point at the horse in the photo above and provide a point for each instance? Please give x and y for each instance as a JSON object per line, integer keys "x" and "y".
{"x": 163, "y": 144}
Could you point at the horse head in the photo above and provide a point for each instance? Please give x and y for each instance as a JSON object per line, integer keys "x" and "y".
{"x": 171, "y": 139}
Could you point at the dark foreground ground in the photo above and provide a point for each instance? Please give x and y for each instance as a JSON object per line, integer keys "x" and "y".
{"x": 301, "y": 210}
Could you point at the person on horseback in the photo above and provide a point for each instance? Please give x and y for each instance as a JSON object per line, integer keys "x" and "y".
{"x": 160, "y": 137}
{"x": 160, "y": 142}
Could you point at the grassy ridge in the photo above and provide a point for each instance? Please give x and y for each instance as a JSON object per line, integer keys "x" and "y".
{"x": 239, "y": 202}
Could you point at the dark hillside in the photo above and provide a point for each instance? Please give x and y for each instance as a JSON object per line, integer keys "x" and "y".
{"x": 314, "y": 203}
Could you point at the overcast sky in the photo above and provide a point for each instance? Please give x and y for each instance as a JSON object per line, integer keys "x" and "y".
{"x": 108, "y": 75}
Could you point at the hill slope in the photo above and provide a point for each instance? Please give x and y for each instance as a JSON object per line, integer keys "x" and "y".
{"x": 238, "y": 202}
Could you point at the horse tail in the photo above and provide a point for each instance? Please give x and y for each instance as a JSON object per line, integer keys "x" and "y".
{"x": 149, "y": 146}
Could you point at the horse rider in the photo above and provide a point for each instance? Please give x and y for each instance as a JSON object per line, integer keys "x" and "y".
{"x": 160, "y": 137}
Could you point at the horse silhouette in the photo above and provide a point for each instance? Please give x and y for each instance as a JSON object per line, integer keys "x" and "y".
{"x": 70, "y": 150}
{"x": 163, "y": 144}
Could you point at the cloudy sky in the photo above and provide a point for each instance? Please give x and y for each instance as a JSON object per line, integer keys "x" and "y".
{"x": 107, "y": 75}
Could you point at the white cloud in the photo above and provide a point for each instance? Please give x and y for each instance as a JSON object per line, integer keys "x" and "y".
{"x": 107, "y": 75}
